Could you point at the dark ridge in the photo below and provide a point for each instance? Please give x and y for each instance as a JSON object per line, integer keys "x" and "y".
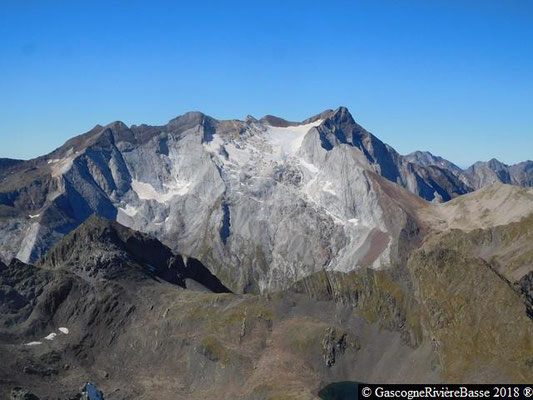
{"x": 323, "y": 115}
{"x": 101, "y": 248}
{"x": 9, "y": 162}
{"x": 277, "y": 121}
{"x": 78, "y": 142}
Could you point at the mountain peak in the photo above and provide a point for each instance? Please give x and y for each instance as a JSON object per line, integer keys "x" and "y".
{"x": 117, "y": 125}
{"x": 341, "y": 115}
{"x": 277, "y": 122}
{"x": 495, "y": 164}
{"x": 189, "y": 116}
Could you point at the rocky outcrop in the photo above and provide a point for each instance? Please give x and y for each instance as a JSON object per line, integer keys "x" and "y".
{"x": 103, "y": 249}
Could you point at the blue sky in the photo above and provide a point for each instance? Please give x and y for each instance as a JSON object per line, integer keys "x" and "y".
{"x": 451, "y": 77}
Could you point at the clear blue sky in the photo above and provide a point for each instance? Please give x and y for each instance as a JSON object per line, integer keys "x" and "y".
{"x": 454, "y": 77}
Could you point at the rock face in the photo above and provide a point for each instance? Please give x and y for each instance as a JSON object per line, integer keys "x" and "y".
{"x": 263, "y": 202}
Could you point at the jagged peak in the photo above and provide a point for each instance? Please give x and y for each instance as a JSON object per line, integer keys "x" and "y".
{"x": 342, "y": 114}
{"x": 97, "y": 228}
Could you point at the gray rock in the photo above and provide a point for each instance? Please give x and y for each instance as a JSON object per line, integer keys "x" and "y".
{"x": 263, "y": 202}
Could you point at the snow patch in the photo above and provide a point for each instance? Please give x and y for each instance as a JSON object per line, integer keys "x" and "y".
{"x": 51, "y": 336}
{"x": 286, "y": 141}
{"x": 34, "y": 216}
{"x": 237, "y": 155}
{"x": 33, "y": 343}
{"x": 64, "y": 330}
{"x": 328, "y": 187}
{"x": 130, "y": 210}
{"x": 177, "y": 188}
{"x": 311, "y": 167}
{"x": 354, "y": 221}
{"x": 146, "y": 191}
{"x": 62, "y": 166}
{"x": 214, "y": 145}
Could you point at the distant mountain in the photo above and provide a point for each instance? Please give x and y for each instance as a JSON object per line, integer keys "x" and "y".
{"x": 481, "y": 173}
{"x": 426, "y": 159}
{"x": 263, "y": 202}
{"x": 485, "y": 173}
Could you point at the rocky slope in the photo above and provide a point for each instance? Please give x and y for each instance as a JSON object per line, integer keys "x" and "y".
{"x": 467, "y": 289}
{"x": 314, "y": 253}
{"x": 116, "y": 307}
{"x": 98, "y": 309}
{"x": 262, "y": 202}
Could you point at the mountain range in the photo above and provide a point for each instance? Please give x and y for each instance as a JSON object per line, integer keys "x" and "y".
{"x": 208, "y": 258}
{"x": 263, "y": 202}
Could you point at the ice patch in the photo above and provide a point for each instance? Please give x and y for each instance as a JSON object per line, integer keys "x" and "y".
{"x": 62, "y": 166}
{"x": 129, "y": 210}
{"x": 64, "y": 330}
{"x": 214, "y": 145}
{"x": 287, "y": 140}
{"x": 309, "y": 166}
{"x": 146, "y": 191}
{"x": 328, "y": 187}
{"x": 33, "y": 343}
{"x": 51, "y": 336}
{"x": 178, "y": 187}
{"x": 237, "y": 155}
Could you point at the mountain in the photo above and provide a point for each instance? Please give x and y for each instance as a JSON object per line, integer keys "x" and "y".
{"x": 263, "y": 202}
{"x": 481, "y": 173}
{"x": 7, "y": 163}
{"x": 485, "y": 173}
{"x": 107, "y": 305}
{"x": 426, "y": 159}
{"x": 118, "y": 308}
{"x": 258, "y": 259}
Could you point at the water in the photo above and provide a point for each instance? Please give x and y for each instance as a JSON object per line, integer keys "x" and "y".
{"x": 340, "y": 391}
{"x": 92, "y": 392}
